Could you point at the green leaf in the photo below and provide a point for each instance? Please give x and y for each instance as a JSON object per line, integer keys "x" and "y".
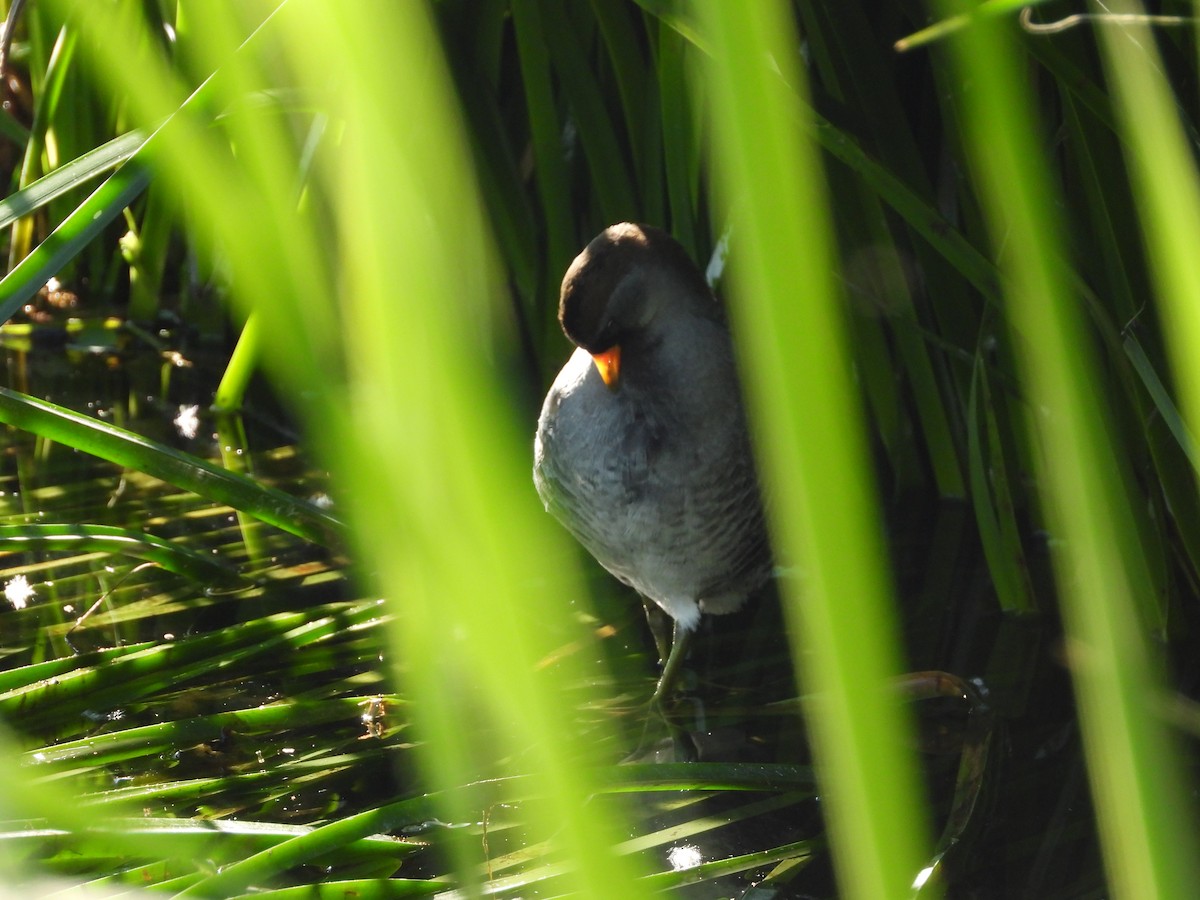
{"x": 133, "y": 451}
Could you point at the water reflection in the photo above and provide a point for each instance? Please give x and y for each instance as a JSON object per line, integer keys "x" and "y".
{"x": 684, "y": 856}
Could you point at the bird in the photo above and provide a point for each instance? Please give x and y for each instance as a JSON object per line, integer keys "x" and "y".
{"x": 642, "y": 448}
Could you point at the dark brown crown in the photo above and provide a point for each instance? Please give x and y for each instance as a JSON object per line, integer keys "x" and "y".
{"x": 595, "y": 274}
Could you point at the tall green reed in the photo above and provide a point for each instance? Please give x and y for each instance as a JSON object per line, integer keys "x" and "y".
{"x": 1100, "y": 566}
{"x": 378, "y": 295}
{"x": 792, "y": 330}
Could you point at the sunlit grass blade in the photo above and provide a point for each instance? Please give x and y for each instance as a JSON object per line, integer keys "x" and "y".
{"x": 292, "y": 514}
{"x": 1146, "y": 833}
{"x": 260, "y": 868}
{"x": 145, "y": 671}
{"x": 70, "y": 237}
{"x": 144, "y": 249}
{"x": 183, "y": 839}
{"x": 802, "y": 851}
{"x": 44, "y": 536}
{"x": 435, "y": 453}
{"x": 956, "y": 21}
{"x": 360, "y": 889}
{"x": 1166, "y": 186}
{"x": 242, "y": 364}
{"x": 35, "y": 149}
{"x": 121, "y": 744}
{"x": 789, "y": 326}
{"x": 70, "y": 176}
{"x": 79, "y": 228}
{"x": 26, "y": 675}
{"x": 250, "y": 204}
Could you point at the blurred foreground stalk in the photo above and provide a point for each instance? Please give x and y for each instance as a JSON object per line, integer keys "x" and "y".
{"x": 1146, "y": 832}
{"x": 787, "y": 316}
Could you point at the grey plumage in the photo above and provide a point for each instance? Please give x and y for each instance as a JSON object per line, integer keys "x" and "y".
{"x": 654, "y": 475}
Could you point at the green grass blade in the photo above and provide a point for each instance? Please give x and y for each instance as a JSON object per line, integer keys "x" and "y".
{"x": 546, "y": 139}
{"x": 1147, "y": 835}
{"x": 609, "y": 167}
{"x": 149, "y": 740}
{"x": 242, "y": 364}
{"x": 361, "y": 889}
{"x": 70, "y": 176}
{"x": 150, "y": 670}
{"x": 44, "y": 536}
{"x": 70, "y": 237}
{"x": 196, "y": 840}
{"x": 679, "y": 136}
{"x": 1166, "y": 185}
{"x": 1163, "y": 403}
{"x": 994, "y": 515}
{"x": 955, "y": 22}
{"x": 137, "y": 674}
{"x": 438, "y": 476}
{"x": 133, "y": 451}
{"x": 793, "y": 341}
{"x": 34, "y": 161}
{"x": 258, "y": 869}
{"x": 798, "y": 850}
{"x": 22, "y": 676}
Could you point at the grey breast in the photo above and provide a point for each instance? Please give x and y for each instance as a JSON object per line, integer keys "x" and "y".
{"x": 664, "y": 495}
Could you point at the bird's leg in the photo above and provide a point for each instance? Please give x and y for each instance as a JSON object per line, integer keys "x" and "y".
{"x": 657, "y": 620}
{"x": 672, "y": 659}
{"x": 680, "y": 641}
{"x": 684, "y": 748}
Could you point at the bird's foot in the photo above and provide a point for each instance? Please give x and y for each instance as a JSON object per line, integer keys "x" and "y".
{"x": 662, "y": 711}
{"x": 670, "y": 718}
{"x": 664, "y": 739}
